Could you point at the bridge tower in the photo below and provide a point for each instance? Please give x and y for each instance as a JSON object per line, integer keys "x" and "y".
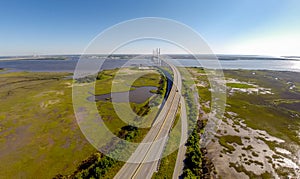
{"x": 156, "y": 56}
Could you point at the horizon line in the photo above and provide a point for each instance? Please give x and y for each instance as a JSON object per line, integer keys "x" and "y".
{"x": 103, "y": 54}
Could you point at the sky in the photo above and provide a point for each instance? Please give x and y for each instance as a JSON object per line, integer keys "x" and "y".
{"x": 251, "y": 27}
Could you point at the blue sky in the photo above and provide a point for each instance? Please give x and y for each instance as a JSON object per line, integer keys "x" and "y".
{"x": 266, "y": 27}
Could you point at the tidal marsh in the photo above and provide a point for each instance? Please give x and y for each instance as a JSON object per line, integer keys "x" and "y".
{"x": 38, "y": 128}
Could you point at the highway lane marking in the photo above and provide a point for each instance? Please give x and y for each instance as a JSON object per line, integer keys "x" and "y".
{"x": 168, "y": 113}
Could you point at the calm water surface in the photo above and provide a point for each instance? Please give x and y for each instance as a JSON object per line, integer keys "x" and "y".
{"x": 69, "y": 65}
{"x": 138, "y": 95}
{"x": 278, "y": 65}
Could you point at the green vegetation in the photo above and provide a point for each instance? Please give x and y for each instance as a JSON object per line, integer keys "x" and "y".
{"x": 226, "y": 140}
{"x": 167, "y": 163}
{"x": 254, "y": 154}
{"x": 246, "y": 137}
{"x": 276, "y": 157}
{"x": 284, "y": 172}
{"x": 106, "y": 109}
{"x": 151, "y": 79}
{"x": 249, "y": 147}
{"x": 166, "y": 167}
{"x": 193, "y": 161}
{"x": 231, "y": 139}
{"x": 272, "y": 144}
{"x": 239, "y": 85}
{"x": 195, "y": 164}
{"x": 192, "y": 112}
{"x": 250, "y": 161}
{"x": 240, "y": 168}
{"x": 39, "y": 131}
{"x": 106, "y": 77}
{"x": 278, "y": 112}
{"x": 203, "y": 90}
{"x": 104, "y": 166}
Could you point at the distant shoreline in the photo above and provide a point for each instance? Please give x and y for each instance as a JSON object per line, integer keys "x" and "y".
{"x": 33, "y": 58}
{"x": 174, "y": 56}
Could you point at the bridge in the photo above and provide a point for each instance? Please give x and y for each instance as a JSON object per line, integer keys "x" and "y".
{"x": 145, "y": 160}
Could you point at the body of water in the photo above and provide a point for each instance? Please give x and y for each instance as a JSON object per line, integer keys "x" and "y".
{"x": 138, "y": 95}
{"x": 69, "y": 65}
{"x": 253, "y": 64}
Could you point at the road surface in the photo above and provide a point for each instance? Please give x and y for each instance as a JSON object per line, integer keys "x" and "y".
{"x": 178, "y": 169}
{"x": 145, "y": 160}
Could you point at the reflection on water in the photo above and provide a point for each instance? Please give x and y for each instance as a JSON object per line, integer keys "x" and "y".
{"x": 138, "y": 95}
{"x": 295, "y": 65}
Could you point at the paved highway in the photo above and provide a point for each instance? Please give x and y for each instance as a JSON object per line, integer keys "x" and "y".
{"x": 178, "y": 169}
{"x": 145, "y": 160}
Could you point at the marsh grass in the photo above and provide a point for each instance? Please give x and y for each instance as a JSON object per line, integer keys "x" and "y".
{"x": 239, "y": 85}
{"x": 38, "y": 129}
{"x": 278, "y": 113}
{"x": 227, "y": 140}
